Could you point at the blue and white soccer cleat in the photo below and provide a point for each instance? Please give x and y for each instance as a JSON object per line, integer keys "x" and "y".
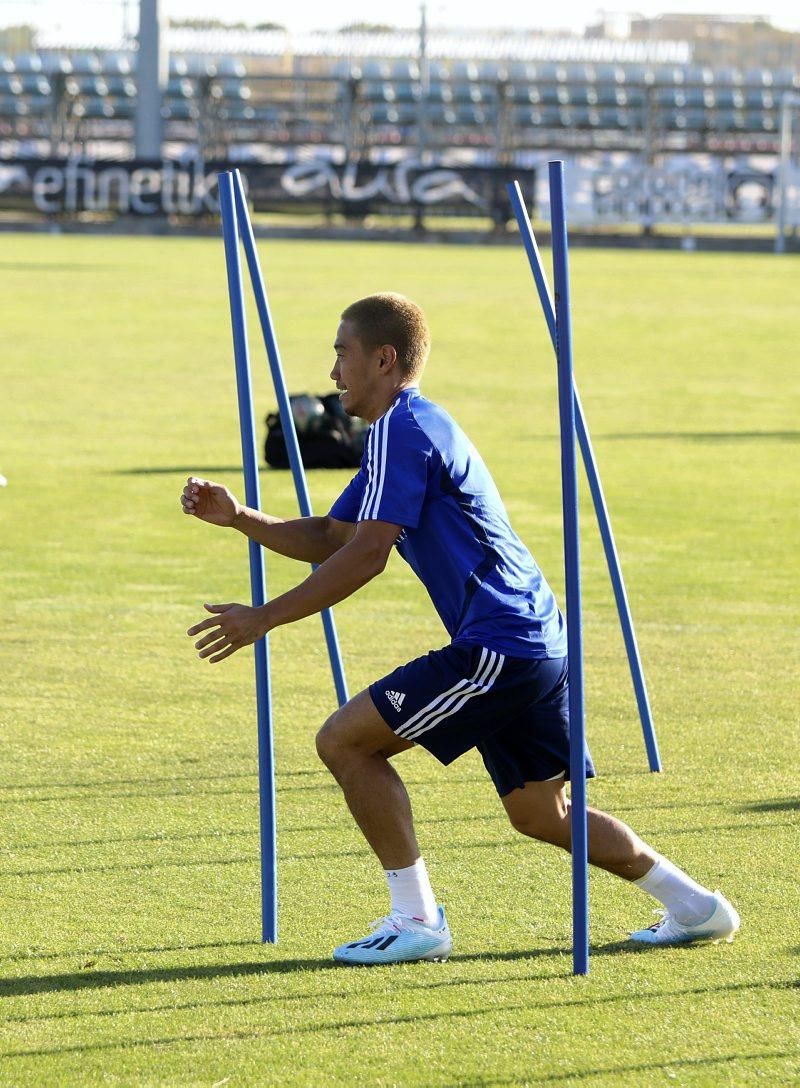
{"x": 720, "y": 926}
{"x": 397, "y": 938}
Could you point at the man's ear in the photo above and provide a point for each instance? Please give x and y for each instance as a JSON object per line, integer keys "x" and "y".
{"x": 388, "y": 357}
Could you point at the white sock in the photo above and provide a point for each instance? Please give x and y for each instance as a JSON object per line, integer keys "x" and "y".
{"x": 411, "y": 892}
{"x": 688, "y": 902}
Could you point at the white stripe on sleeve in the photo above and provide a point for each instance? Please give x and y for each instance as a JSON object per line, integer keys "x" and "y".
{"x": 370, "y": 446}
{"x": 374, "y": 491}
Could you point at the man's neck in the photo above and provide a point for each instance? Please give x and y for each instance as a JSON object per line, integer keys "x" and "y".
{"x": 387, "y": 402}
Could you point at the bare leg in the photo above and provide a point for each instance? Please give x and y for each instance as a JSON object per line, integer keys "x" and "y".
{"x": 355, "y": 744}
{"x": 542, "y": 811}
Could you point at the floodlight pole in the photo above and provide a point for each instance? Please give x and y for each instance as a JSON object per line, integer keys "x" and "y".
{"x": 151, "y": 79}
{"x": 789, "y": 102}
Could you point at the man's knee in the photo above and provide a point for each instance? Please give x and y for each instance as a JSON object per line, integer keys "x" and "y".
{"x": 328, "y": 743}
{"x": 546, "y": 818}
{"x": 546, "y": 828}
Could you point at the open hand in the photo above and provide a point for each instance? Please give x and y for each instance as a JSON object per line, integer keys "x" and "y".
{"x": 230, "y": 627}
{"x": 209, "y": 501}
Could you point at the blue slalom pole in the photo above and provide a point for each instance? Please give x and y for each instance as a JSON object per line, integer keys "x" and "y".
{"x": 285, "y": 410}
{"x": 596, "y": 489}
{"x": 572, "y": 563}
{"x": 258, "y": 587}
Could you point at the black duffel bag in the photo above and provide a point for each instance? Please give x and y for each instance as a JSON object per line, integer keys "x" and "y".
{"x": 328, "y": 436}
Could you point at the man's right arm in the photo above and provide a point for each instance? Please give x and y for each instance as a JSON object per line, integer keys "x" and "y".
{"x": 312, "y": 540}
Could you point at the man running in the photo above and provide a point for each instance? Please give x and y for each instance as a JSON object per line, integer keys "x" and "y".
{"x": 501, "y": 685}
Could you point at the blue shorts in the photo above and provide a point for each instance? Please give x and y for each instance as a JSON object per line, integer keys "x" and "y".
{"x": 513, "y": 710}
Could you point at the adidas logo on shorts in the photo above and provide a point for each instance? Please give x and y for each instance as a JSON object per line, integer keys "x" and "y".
{"x": 396, "y": 699}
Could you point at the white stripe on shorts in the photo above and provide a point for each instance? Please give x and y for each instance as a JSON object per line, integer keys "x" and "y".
{"x": 481, "y": 683}
{"x": 438, "y": 701}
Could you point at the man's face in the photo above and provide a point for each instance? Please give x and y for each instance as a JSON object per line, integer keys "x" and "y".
{"x": 356, "y": 373}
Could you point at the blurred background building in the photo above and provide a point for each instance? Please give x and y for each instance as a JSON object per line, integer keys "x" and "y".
{"x": 629, "y": 92}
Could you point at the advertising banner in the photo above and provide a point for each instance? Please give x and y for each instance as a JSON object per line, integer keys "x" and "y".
{"x": 77, "y": 186}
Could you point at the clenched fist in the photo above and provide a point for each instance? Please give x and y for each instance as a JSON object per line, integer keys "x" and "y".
{"x": 209, "y": 501}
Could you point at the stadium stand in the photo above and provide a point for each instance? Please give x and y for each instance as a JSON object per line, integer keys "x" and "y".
{"x": 495, "y": 95}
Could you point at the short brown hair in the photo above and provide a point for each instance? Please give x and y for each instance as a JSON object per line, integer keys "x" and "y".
{"x": 387, "y": 318}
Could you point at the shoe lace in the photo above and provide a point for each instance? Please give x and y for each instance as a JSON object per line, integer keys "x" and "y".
{"x": 666, "y": 922}
{"x": 663, "y": 918}
{"x": 388, "y": 921}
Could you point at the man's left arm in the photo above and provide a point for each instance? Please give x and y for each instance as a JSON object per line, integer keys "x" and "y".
{"x": 232, "y": 626}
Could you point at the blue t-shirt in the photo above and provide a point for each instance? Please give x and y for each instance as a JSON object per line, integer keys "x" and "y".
{"x": 420, "y": 471}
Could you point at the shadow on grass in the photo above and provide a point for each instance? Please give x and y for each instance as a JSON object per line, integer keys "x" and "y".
{"x": 204, "y": 471}
{"x": 245, "y": 859}
{"x": 779, "y": 804}
{"x": 213, "y": 834}
{"x": 51, "y": 266}
{"x": 104, "y": 783}
{"x": 182, "y": 788}
{"x": 101, "y": 787}
{"x": 85, "y": 980}
{"x": 426, "y": 985}
{"x": 143, "y": 780}
{"x": 703, "y": 436}
{"x": 663, "y": 1067}
{"x": 632, "y": 436}
{"x": 380, "y": 1023}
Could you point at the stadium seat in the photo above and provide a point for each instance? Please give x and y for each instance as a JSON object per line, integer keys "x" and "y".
{"x": 786, "y": 79}
{"x": 99, "y": 86}
{"x": 620, "y": 119}
{"x": 758, "y": 121}
{"x": 608, "y": 73}
{"x": 440, "y": 92}
{"x": 472, "y": 92}
{"x": 522, "y": 117}
{"x": 758, "y": 77}
{"x": 729, "y": 98}
{"x": 180, "y": 110}
{"x": 406, "y": 91}
{"x": 760, "y": 99}
{"x": 385, "y": 70}
{"x": 680, "y": 97}
{"x": 10, "y": 85}
{"x": 56, "y": 65}
{"x": 553, "y": 95}
{"x": 116, "y": 64}
{"x": 473, "y": 115}
{"x": 180, "y": 88}
{"x": 728, "y": 121}
{"x": 229, "y": 90}
{"x": 683, "y": 120}
{"x": 95, "y": 109}
{"x": 27, "y": 64}
{"x": 86, "y": 64}
{"x": 523, "y": 95}
{"x": 727, "y": 77}
{"x": 121, "y": 87}
{"x": 401, "y": 114}
{"x": 228, "y": 68}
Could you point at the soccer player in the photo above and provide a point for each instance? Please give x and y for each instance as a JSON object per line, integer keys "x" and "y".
{"x": 501, "y": 685}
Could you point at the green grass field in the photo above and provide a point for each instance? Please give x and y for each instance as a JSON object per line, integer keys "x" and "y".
{"x": 130, "y": 920}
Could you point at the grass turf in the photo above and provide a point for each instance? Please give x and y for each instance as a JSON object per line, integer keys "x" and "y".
{"x": 129, "y": 817}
